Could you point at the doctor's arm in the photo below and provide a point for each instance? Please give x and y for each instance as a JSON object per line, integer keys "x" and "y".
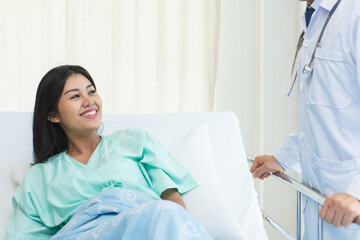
{"x": 285, "y": 158}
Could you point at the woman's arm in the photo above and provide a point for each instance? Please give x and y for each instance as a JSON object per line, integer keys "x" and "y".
{"x": 172, "y": 194}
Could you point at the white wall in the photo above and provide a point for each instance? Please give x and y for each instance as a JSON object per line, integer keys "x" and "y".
{"x": 256, "y": 48}
{"x": 145, "y": 56}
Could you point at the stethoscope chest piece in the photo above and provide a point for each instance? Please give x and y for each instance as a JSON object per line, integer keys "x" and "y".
{"x": 307, "y": 69}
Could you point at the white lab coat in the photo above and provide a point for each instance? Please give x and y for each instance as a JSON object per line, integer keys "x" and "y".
{"x": 326, "y": 144}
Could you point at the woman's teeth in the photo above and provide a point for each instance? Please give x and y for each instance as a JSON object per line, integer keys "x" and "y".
{"x": 91, "y": 113}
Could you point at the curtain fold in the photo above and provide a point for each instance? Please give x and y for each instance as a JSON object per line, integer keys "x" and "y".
{"x": 145, "y": 56}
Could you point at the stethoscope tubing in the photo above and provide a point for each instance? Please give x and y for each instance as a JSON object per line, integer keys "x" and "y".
{"x": 308, "y": 67}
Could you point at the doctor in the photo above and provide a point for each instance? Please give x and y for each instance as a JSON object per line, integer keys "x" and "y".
{"x": 326, "y": 143}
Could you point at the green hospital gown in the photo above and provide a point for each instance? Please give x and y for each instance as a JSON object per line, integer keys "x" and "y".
{"x": 52, "y": 191}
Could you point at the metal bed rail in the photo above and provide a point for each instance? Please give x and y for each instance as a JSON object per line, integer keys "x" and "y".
{"x": 301, "y": 189}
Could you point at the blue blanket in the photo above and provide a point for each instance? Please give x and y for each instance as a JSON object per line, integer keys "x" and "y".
{"x": 119, "y": 213}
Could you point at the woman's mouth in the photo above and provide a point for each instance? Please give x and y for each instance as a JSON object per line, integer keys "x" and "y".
{"x": 90, "y": 114}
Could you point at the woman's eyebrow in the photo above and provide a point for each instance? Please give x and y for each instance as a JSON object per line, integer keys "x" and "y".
{"x": 76, "y": 89}
{"x": 72, "y": 90}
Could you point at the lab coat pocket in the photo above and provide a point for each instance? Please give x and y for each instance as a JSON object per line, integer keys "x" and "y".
{"x": 330, "y": 82}
{"x": 337, "y": 174}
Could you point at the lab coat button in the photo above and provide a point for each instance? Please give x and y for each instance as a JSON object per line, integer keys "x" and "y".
{"x": 301, "y": 87}
{"x": 306, "y": 43}
{"x": 300, "y": 135}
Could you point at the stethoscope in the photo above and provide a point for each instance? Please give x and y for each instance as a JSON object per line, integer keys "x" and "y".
{"x": 308, "y": 68}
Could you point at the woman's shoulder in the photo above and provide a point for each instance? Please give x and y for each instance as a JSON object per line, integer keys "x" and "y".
{"x": 32, "y": 190}
{"x": 40, "y": 174}
{"x": 37, "y": 171}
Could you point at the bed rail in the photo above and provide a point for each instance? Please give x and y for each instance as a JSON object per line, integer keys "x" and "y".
{"x": 301, "y": 189}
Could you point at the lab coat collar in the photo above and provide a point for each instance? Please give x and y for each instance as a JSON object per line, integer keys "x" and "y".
{"x": 327, "y": 4}
{"x": 315, "y": 4}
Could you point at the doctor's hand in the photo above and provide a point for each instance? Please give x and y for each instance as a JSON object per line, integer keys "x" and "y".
{"x": 264, "y": 165}
{"x": 341, "y": 209}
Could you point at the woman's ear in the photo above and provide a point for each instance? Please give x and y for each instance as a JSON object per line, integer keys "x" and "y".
{"x": 53, "y": 117}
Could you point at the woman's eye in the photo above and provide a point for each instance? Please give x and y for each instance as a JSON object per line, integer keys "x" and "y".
{"x": 92, "y": 92}
{"x": 75, "y": 96}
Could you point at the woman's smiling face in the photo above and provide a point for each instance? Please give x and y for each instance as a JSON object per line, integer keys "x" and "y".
{"x": 79, "y": 107}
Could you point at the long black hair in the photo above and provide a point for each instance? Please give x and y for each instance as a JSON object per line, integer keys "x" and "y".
{"x": 49, "y": 138}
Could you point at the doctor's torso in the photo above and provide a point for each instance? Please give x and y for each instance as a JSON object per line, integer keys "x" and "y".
{"x": 329, "y": 99}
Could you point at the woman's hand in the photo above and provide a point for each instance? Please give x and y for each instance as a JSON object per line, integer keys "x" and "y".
{"x": 172, "y": 194}
{"x": 340, "y": 209}
{"x": 264, "y": 165}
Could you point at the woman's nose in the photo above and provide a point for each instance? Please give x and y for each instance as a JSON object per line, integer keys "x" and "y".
{"x": 88, "y": 101}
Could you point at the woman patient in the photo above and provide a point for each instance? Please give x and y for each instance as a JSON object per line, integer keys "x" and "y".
{"x": 87, "y": 186}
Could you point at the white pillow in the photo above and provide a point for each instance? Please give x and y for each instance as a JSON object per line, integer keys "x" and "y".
{"x": 206, "y": 202}
{"x": 18, "y": 171}
{"x": 7, "y": 189}
{"x": 234, "y": 175}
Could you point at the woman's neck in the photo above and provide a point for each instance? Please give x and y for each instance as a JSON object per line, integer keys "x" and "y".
{"x": 82, "y": 145}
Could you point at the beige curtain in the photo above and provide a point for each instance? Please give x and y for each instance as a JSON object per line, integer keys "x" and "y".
{"x": 144, "y": 55}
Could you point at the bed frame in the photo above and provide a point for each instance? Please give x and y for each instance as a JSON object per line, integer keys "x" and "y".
{"x": 301, "y": 189}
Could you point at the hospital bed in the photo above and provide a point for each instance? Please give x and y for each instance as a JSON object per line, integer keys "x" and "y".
{"x": 209, "y": 145}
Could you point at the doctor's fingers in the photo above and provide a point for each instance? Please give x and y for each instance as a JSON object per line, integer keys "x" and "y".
{"x": 340, "y": 209}
{"x": 331, "y": 204}
{"x": 254, "y": 166}
{"x": 258, "y": 162}
{"x": 323, "y": 211}
{"x": 262, "y": 172}
{"x": 265, "y": 175}
{"x": 327, "y": 213}
{"x": 348, "y": 220}
{"x": 334, "y": 217}
{"x": 268, "y": 167}
{"x": 338, "y": 218}
{"x": 351, "y": 210}
{"x": 342, "y": 218}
